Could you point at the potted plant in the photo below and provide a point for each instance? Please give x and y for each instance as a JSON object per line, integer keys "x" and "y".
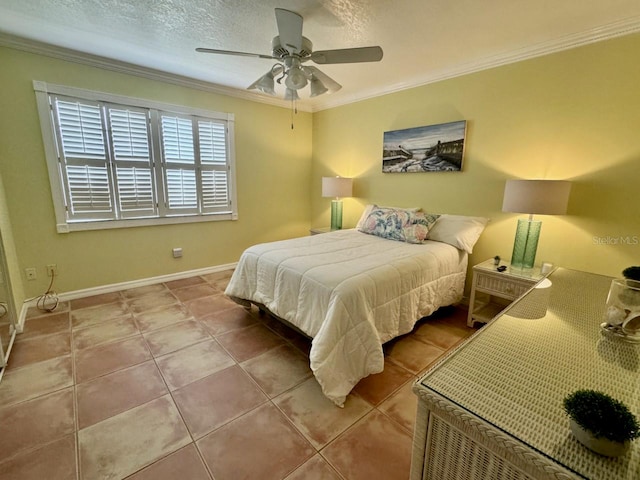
{"x": 600, "y": 422}
{"x": 632, "y": 273}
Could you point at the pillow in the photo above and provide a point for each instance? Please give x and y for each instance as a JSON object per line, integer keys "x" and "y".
{"x": 368, "y": 208}
{"x": 419, "y": 226}
{"x": 457, "y": 230}
{"x": 386, "y": 223}
{"x": 398, "y": 224}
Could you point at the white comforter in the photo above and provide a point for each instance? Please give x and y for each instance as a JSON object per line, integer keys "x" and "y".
{"x": 350, "y": 292}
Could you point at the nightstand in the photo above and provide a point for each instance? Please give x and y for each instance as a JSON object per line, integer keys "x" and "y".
{"x": 319, "y": 230}
{"x": 492, "y": 291}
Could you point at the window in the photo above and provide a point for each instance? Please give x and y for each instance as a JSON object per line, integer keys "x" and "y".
{"x": 118, "y": 162}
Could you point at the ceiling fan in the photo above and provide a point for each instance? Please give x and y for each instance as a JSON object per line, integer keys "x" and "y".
{"x": 291, "y": 50}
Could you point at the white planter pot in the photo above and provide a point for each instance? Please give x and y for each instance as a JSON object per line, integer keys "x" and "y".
{"x": 603, "y": 446}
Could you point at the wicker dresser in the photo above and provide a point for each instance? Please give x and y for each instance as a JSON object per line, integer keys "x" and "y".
{"x": 492, "y": 409}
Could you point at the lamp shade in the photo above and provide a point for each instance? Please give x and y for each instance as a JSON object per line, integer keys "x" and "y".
{"x": 264, "y": 84}
{"x": 337, "y": 187}
{"x": 545, "y": 197}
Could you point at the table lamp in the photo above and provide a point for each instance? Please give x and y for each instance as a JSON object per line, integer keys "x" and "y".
{"x": 545, "y": 197}
{"x": 336, "y": 187}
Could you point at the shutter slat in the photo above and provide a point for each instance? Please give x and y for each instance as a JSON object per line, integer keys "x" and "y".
{"x": 177, "y": 140}
{"x": 129, "y": 135}
{"x": 215, "y": 191}
{"x": 89, "y": 189}
{"x": 181, "y": 188}
{"x": 213, "y": 147}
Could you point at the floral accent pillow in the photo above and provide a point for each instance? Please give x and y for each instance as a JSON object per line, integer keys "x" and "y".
{"x": 398, "y": 224}
{"x": 419, "y": 226}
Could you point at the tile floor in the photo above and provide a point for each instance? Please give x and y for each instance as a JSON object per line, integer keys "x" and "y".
{"x": 176, "y": 381}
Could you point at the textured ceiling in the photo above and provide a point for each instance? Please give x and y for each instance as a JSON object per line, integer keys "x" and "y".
{"x": 422, "y": 40}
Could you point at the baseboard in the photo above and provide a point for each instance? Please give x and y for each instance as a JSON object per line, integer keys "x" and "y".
{"x": 114, "y": 287}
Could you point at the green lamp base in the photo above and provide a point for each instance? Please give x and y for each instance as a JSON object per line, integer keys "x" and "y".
{"x": 336, "y": 214}
{"x": 526, "y": 243}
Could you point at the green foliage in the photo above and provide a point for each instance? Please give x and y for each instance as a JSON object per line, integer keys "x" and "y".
{"x": 632, "y": 273}
{"x": 602, "y": 415}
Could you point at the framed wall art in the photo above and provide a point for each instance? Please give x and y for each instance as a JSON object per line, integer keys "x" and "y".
{"x": 434, "y": 148}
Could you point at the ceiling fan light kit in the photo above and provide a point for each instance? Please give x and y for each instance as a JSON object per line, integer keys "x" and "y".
{"x": 290, "y": 49}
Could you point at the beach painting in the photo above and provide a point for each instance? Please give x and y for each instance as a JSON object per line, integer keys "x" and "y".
{"x": 435, "y": 148}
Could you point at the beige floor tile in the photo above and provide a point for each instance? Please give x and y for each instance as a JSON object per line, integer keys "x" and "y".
{"x": 259, "y": 445}
{"x": 123, "y": 444}
{"x": 151, "y": 301}
{"x": 440, "y": 334}
{"x": 38, "y": 349}
{"x": 316, "y": 416}
{"x": 228, "y": 320}
{"x": 95, "y": 300}
{"x": 36, "y": 422}
{"x": 117, "y": 392}
{"x": 176, "y": 336}
{"x": 412, "y": 354}
{"x": 141, "y": 291}
{"x": 195, "y": 291}
{"x": 87, "y": 317}
{"x": 34, "y": 380}
{"x": 221, "y": 276}
{"x": 46, "y": 325}
{"x": 376, "y": 447}
{"x": 375, "y": 388}
{"x": 249, "y": 342}
{"x": 193, "y": 363}
{"x": 33, "y": 312}
{"x": 402, "y": 406}
{"x": 161, "y": 317}
{"x": 315, "y": 469}
{"x": 278, "y": 369}
{"x": 184, "y": 282}
{"x": 94, "y": 362}
{"x": 208, "y": 305}
{"x": 105, "y": 332}
{"x": 184, "y": 464}
{"x": 53, "y": 461}
{"x": 217, "y": 399}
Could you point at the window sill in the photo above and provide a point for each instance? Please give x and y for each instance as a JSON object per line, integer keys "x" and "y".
{"x": 143, "y": 222}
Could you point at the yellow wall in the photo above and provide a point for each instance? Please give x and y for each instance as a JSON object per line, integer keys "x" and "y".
{"x": 7, "y": 244}
{"x": 571, "y": 115}
{"x": 273, "y": 165}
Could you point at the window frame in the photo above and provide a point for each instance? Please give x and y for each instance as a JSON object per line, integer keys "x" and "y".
{"x": 54, "y": 165}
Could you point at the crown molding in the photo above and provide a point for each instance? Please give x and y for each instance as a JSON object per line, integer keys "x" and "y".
{"x": 67, "y": 54}
{"x": 621, "y": 28}
{"x": 605, "y": 32}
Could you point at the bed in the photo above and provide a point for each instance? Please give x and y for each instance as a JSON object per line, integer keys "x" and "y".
{"x": 350, "y": 292}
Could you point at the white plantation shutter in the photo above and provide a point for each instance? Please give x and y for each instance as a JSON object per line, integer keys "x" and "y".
{"x": 195, "y": 156}
{"x": 116, "y": 161}
{"x": 83, "y": 159}
{"x": 136, "y": 195}
{"x": 178, "y": 150}
{"x": 214, "y": 166}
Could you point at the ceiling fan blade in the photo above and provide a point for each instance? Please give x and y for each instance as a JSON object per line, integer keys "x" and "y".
{"x": 328, "y": 82}
{"x": 230, "y": 52}
{"x": 289, "y": 29}
{"x": 348, "y": 55}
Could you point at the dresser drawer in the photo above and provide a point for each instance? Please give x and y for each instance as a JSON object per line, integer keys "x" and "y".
{"x": 505, "y": 287}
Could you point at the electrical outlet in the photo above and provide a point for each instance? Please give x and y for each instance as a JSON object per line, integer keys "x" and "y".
{"x": 177, "y": 252}
{"x": 30, "y": 273}
{"x": 52, "y": 269}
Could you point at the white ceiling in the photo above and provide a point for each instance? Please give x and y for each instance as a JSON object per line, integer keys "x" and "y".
{"x": 423, "y": 41}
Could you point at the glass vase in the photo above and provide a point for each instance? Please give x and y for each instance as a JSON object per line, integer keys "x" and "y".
{"x": 622, "y": 310}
